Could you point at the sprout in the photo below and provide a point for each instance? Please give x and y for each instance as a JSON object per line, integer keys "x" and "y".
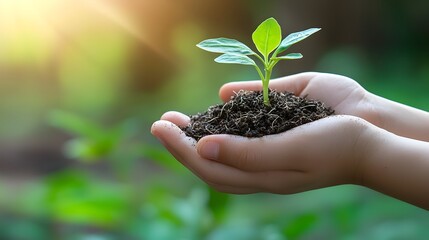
{"x": 267, "y": 38}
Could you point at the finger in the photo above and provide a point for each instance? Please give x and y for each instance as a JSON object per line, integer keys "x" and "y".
{"x": 177, "y": 118}
{"x": 284, "y": 151}
{"x": 229, "y": 89}
{"x": 294, "y": 83}
{"x": 290, "y": 182}
{"x": 183, "y": 149}
{"x": 248, "y": 154}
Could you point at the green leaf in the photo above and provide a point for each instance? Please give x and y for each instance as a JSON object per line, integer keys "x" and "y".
{"x": 295, "y": 38}
{"x": 225, "y": 45}
{"x": 235, "y": 59}
{"x": 289, "y": 56}
{"x": 267, "y": 36}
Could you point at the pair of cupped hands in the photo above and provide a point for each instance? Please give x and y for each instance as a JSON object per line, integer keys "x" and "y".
{"x": 327, "y": 152}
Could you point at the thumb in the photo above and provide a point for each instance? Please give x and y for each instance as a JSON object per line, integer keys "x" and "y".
{"x": 251, "y": 154}
{"x": 294, "y": 83}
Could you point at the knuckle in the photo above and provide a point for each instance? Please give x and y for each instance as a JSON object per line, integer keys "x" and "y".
{"x": 245, "y": 158}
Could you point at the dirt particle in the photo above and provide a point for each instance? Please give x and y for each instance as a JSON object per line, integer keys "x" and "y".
{"x": 246, "y": 115}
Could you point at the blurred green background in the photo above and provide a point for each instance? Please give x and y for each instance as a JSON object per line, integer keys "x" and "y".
{"x": 81, "y": 81}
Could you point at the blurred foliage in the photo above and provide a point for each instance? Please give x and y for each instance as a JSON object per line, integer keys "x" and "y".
{"x": 102, "y": 76}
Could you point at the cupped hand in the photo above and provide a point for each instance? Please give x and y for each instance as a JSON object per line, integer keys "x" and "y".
{"x": 323, "y": 153}
{"x": 342, "y": 94}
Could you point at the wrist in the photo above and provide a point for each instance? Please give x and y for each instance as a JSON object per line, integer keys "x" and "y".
{"x": 370, "y": 108}
{"x": 368, "y": 141}
{"x": 395, "y": 117}
{"x": 396, "y": 166}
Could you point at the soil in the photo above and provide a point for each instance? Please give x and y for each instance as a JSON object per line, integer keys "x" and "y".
{"x": 246, "y": 115}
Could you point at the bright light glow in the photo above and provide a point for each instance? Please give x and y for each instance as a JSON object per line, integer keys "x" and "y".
{"x": 119, "y": 18}
{"x": 23, "y": 15}
{"x": 54, "y": 21}
{"x": 25, "y": 36}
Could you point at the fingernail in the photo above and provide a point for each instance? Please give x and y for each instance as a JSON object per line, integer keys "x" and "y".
{"x": 209, "y": 150}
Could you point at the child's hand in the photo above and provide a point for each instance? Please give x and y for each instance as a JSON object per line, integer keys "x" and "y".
{"x": 347, "y": 97}
{"x": 331, "y": 151}
{"x": 319, "y": 154}
{"x": 342, "y": 94}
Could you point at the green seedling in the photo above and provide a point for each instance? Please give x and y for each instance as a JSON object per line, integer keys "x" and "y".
{"x": 267, "y": 38}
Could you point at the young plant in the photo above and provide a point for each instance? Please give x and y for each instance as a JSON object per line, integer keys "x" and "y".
{"x": 267, "y": 38}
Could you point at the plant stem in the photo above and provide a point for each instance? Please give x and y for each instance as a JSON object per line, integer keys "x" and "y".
{"x": 265, "y": 85}
{"x": 265, "y": 81}
{"x": 260, "y": 73}
{"x": 268, "y": 67}
{"x": 259, "y": 57}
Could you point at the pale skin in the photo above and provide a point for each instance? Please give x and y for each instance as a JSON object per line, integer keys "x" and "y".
{"x": 371, "y": 141}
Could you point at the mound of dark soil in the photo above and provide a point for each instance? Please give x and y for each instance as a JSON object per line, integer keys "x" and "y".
{"x": 246, "y": 115}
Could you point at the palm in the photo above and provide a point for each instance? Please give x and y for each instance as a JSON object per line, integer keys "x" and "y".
{"x": 343, "y": 94}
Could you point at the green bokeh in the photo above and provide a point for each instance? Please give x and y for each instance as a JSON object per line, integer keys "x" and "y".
{"x": 98, "y": 87}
